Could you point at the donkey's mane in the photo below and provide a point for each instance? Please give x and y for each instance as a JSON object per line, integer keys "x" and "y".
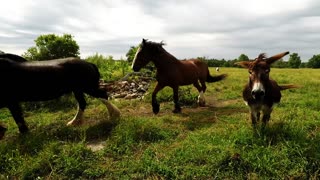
{"x": 260, "y": 58}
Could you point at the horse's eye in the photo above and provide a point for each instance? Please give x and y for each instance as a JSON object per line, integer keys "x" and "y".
{"x": 250, "y": 72}
{"x": 267, "y": 70}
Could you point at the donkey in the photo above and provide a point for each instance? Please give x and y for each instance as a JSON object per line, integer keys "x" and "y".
{"x": 261, "y": 92}
{"x": 23, "y": 81}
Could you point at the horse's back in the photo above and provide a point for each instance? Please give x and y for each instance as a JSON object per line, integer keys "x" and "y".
{"x": 44, "y": 80}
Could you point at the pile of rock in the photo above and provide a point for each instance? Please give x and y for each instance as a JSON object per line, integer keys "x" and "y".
{"x": 132, "y": 86}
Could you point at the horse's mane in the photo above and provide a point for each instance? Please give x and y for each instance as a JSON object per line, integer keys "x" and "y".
{"x": 154, "y": 44}
{"x": 156, "y": 48}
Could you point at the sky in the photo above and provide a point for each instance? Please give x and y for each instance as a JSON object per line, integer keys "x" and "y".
{"x": 202, "y": 28}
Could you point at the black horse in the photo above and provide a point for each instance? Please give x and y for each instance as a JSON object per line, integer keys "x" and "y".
{"x": 23, "y": 81}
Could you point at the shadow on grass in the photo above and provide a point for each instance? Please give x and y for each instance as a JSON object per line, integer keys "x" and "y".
{"x": 34, "y": 141}
{"x": 204, "y": 117}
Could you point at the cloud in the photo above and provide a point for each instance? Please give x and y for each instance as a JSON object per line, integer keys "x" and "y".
{"x": 211, "y": 28}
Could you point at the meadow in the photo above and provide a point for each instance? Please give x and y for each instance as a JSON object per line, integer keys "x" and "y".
{"x": 212, "y": 142}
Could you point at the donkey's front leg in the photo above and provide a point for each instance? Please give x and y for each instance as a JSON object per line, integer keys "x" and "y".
{"x": 155, "y": 104}
{"x": 177, "y": 108}
{"x": 266, "y": 116}
{"x": 16, "y": 112}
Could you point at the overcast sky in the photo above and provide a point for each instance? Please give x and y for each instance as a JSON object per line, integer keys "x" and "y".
{"x": 191, "y": 28}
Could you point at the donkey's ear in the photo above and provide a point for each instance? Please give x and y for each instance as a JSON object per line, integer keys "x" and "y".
{"x": 245, "y": 64}
{"x": 274, "y": 58}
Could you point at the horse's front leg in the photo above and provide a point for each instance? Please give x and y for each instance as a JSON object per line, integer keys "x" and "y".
{"x": 155, "y": 104}
{"x": 78, "y": 118}
{"x": 16, "y": 112}
{"x": 177, "y": 108}
{"x": 2, "y": 131}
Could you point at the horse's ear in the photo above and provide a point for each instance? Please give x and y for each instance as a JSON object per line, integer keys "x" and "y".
{"x": 144, "y": 41}
{"x": 162, "y": 43}
{"x": 274, "y": 58}
{"x": 245, "y": 64}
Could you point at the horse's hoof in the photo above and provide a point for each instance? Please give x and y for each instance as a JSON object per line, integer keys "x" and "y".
{"x": 23, "y": 129}
{"x": 202, "y": 104}
{"x": 2, "y": 132}
{"x": 156, "y": 108}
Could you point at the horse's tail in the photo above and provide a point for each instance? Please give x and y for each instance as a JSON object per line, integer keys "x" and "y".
{"x": 289, "y": 86}
{"x": 215, "y": 78}
{"x": 96, "y": 70}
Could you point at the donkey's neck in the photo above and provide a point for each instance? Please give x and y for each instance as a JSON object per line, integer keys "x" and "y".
{"x": 164, "y": 60}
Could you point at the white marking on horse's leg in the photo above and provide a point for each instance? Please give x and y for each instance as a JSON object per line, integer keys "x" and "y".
{"x": 77, "y": 120}
{"x": 201, "y": 99}
{"x": 114, "y": 112}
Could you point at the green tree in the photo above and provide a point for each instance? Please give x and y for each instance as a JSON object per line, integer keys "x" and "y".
{"x": 294, "y": 60}
{"x": 280, "y": 64}
{"x": 51, "y": 46}
{"x": 314, "y": 62}
{"x": 243, "y": 57}
{"x": 131, "y": 53}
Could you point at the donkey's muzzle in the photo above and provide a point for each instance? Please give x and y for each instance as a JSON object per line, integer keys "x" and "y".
{"x": 257, "y": 94}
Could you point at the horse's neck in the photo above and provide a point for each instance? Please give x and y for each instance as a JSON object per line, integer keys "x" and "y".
{"x": 165, "y": 60}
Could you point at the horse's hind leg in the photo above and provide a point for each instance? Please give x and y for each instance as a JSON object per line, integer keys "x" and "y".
{"x": 177, "y": 108}
{"x": 114, "y": 112}
{"x": 77, "y": 120}
{"x": 16, "y": 112}
{"x": 201, "y": 100}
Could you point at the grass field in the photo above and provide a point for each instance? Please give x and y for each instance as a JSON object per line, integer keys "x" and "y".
{"x": 213, "y": 142}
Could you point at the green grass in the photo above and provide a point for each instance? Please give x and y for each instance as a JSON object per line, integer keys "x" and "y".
{"x": 214, "y": 142}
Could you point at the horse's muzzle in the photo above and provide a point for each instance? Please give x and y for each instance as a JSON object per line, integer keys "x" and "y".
{"x": 136, "y": 69}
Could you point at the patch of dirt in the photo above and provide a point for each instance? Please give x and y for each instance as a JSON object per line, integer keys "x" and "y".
{"x": 96, "y": 146}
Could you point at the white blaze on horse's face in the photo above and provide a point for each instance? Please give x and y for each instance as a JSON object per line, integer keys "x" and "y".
{"x": 135, "y": 58}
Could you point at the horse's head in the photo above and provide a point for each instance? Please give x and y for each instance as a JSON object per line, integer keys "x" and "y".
{"x": 145, "y": 53}
{"x": 259, "y": 70}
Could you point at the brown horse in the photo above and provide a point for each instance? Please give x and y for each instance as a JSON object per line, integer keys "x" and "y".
{"x": 261, "y": 92}
{"x": 173, "y": 72}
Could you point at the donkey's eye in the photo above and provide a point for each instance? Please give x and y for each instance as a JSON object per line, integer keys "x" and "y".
{"x": 250, "y": 72}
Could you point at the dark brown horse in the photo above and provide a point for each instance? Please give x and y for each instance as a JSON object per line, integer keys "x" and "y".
{"x": 173, "y": 72}
{"x": 261, "y": 92}
{"x": 23, "y": 81}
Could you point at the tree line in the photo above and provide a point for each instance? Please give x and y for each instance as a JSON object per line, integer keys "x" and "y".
{"x": 51, "y": 46}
